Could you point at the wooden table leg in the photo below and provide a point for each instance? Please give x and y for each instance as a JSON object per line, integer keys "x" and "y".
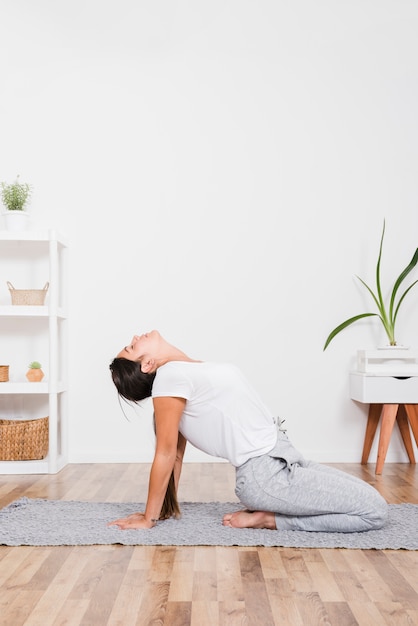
{"x": 412, "y": 413}
{"x": 375, "y": 411}
{"x": 405, "y": 432}
{"x": 389, "y": 412}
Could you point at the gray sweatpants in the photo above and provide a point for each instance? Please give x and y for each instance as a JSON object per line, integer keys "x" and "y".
{"x": 305, "y": 495}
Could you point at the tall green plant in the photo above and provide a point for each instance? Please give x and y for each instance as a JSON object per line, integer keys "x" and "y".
{"x": 387, "y": 315}
{"x": 15, "y": 195}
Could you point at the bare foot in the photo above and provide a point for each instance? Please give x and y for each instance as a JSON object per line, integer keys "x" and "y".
{"x": 250, "y": 519}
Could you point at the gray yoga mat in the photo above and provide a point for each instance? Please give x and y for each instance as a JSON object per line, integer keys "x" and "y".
{"x": 39, "y": 522}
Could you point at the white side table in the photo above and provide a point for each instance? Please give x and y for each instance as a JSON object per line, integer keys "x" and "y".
{"x": 391, "y": 399}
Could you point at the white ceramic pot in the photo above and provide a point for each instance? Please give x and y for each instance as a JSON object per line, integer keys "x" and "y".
{"x": 388, "y": 361}
{"x": 16, "y": 220}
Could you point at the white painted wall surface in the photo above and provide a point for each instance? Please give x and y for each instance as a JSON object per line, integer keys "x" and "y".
{"x": 222, "y": 170}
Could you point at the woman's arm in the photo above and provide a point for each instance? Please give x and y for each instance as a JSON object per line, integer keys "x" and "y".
{"x": 168, "y": 455}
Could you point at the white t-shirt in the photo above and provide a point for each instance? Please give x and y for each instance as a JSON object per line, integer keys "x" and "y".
{"x": 223, "y": 416}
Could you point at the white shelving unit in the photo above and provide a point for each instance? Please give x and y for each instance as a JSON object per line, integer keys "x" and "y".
{"x": 30, "y": 254}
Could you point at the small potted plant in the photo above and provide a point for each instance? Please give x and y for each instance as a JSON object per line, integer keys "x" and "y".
{"x": 34, "y": 373}
{"x": 386, "y": 312}
{"x": 15, "y": 197}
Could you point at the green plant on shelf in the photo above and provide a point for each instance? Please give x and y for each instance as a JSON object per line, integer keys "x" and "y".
{"x": 34, "y": 365}
{"x": 15, "y": 196}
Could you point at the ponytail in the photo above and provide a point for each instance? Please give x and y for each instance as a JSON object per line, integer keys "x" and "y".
{"x": 171, "y": 507}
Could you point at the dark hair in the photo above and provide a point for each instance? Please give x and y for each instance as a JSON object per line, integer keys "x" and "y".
{"x": 131, "y": 383}
{"x": 134, "y": 385}
{"x": 171, "y": 507}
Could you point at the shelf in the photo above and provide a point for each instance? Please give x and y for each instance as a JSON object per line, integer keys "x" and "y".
{"x": 18, "y": 310}
{"x": 32, "y": 235}
{"x": 43, "y": 466}
{"x": 35, "y": 252}
{"x": 27, "y": 388}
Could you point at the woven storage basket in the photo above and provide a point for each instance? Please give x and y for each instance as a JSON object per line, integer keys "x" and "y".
{"x": 28, "y": 296}
{"x": 4, "y": 373}
{"x": 23, "y": 440}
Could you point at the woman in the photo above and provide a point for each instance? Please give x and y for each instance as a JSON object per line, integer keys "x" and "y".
{"x": 213, "y": 406}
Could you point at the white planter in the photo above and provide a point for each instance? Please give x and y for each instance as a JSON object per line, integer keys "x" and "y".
{"x": 388, "y": 361}
{"x": 16, "y": 220}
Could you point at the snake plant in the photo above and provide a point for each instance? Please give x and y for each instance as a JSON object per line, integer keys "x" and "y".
{"x": 386, "y": 314}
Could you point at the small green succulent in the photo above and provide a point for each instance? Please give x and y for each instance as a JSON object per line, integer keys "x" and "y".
{"x": 35, "y": 365}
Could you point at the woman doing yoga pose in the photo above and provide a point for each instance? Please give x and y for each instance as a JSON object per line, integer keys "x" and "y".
{"x": 213, "y": 406}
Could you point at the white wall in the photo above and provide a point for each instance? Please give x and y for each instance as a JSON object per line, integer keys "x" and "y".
{"x": 222, "y": 170}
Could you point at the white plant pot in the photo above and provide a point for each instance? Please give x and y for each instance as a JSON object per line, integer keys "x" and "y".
{"x": 16, "y": 220}
{"x": 388, "y": 361}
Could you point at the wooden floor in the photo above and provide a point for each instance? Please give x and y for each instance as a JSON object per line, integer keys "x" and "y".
{"x": 201, "y": 586}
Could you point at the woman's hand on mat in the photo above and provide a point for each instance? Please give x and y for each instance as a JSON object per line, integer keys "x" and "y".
{"x": 135, "y": 520}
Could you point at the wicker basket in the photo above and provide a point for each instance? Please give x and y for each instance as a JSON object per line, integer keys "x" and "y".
{"x": 28, "y": 296}
{"x": 23, "y": 440}
{"x": 4, "y": 373}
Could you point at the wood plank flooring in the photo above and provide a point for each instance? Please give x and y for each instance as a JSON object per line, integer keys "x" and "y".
{"x": 201, "y": 586}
